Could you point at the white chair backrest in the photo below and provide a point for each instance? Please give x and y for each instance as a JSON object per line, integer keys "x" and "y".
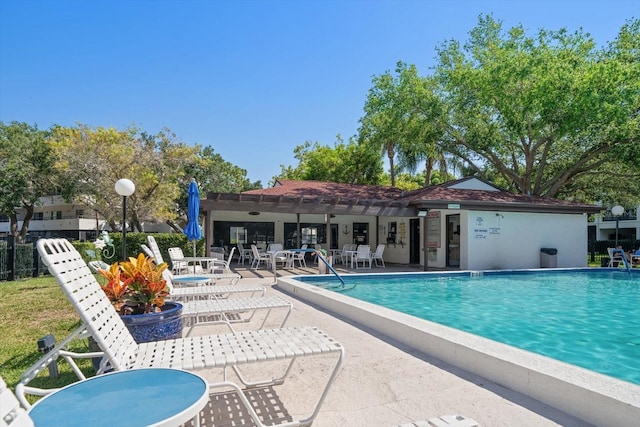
{"x": 304, "y": 247}
{"x": 153, "y": 245}
{"x": 274, "y": 247}
{"x": 256, "y": 252}
{"x": 379, "y": 250}
{"x": 233, "y": 250}
{"x": 168, "y": 276}
{"x": 11, "y": 413}
{"x": 175, "y": 253}
{"x": 96, "y": 265}
{"x": 363, "y": 251}
{"x": 89, "y": 300}
{"x": 147, "y": 251}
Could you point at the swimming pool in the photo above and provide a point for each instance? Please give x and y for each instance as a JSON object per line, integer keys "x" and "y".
{"x": 589, "y": 318}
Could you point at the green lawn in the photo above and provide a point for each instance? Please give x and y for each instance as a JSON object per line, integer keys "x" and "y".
{"x": 29, "y": 310}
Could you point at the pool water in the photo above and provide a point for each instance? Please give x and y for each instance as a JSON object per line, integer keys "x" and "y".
{"x": 589, "y": 318}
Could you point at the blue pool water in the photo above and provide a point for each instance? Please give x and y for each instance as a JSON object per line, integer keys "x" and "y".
{"x": 589, "y": 318}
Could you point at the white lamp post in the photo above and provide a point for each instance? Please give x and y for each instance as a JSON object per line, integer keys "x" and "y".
{"x": 124, "y": 187}
{"x": 617, "y": 211}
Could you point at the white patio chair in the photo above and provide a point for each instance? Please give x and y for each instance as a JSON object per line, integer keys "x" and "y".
{"x": 377, "y": 255}
{"x": 363, "y": 255}
{"x": 224, "y": 266}
{"x": 345, "y": 255}
{"x": 245, "y": 254}
{"x": 224, "y": 351}
{"x": 178, "y": 267}
{"x": 300, "y": 257}
{"x": 259, "y": 258}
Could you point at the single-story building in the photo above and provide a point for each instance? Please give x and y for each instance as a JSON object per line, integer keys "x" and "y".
{"x": 468, "y": 223}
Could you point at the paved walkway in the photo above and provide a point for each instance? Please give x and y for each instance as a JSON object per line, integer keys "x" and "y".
{"x": 381, "y": 383}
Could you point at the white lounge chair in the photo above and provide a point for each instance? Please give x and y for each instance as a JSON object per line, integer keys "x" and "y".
{"x": 97, "y": 265}
{"x": 224, "y": 351}
{"x": 147, "y": 251}
{"x": 155, "y": 250}
{"x": 200, "y": 308}
{"x": 11, "y": 413}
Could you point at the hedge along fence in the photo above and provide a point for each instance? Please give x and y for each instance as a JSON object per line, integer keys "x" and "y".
{"x": 135, "y": 240}
{"x": 27, "y": 257}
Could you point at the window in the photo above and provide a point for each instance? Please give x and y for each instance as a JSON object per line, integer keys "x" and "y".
{"x": 237, "y": 235}
{"x": 310, "y": 234}
{"x": 79, "y": 213}
{"x": 38, "y": 216}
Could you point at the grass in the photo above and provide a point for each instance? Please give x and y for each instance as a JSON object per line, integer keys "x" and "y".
{"x": 29, "y": 310}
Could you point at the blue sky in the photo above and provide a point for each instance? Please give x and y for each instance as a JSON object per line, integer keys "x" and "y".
{"x": 252, "y": 79}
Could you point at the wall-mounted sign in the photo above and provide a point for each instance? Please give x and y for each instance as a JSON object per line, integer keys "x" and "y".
{"x": 453, "y": 206}
{"x": 480, "y": 233}
{"x": 433, "y": 229}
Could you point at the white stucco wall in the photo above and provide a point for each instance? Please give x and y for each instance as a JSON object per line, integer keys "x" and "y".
{"x": 513, "y": 239}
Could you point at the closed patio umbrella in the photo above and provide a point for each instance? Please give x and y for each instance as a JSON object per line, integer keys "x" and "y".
{"x": 192, "y": 229}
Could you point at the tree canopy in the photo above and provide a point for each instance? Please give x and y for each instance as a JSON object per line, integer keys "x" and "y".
{"x": 350, "y": 163}
{"x": 26, "y": 172}
{"x": 549, "y": 115}
{"x": 82, "y": 164}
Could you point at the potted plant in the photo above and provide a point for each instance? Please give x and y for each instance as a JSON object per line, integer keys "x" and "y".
{"x": 137, "y": 290}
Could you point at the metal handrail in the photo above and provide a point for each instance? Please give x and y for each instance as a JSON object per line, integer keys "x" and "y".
{"x": 318, "y": 254}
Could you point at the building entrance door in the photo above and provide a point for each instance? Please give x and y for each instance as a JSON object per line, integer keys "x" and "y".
{"x": 453, "y": 240}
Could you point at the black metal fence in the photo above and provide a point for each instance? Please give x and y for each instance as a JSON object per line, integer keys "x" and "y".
{"x": 18, "y": 261}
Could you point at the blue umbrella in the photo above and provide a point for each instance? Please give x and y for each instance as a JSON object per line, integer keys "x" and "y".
{"x": 192, "y": 229}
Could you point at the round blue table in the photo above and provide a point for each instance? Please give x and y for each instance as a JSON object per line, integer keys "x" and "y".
{"x": 138, "y": 397}
{"x": 191, "y": 280}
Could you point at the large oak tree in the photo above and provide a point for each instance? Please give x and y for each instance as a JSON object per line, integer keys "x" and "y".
{"x": 549, "y": 115}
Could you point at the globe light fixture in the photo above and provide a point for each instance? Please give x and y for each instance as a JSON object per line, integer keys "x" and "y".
{"x": 124, "y": 187}
{"x": 617, "y": 212}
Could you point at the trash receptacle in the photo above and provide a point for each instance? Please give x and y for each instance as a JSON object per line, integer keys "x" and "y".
{"x": 604, "y": 261}
{"x": 548, "y": 258}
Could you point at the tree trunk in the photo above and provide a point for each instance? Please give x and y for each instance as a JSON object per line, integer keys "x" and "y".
{"x": 22, "y": 236}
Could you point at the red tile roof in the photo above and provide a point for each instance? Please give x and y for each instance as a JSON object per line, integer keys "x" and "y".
{"x": 321, "y": 189}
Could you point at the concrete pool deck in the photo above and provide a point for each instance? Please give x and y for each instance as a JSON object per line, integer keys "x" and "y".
{"x": 386, "y": 382}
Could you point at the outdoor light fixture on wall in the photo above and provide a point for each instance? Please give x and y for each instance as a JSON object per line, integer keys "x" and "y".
{"x": 346, "y": 229}
{"x": 124, "y": 187}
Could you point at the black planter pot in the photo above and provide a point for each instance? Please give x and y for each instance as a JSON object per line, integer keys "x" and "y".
{"x": 156, "y": 326}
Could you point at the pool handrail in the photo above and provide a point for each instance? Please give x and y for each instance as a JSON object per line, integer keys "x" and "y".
{"x": 624, "y": 258}
{"x": 311, "y": 250}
